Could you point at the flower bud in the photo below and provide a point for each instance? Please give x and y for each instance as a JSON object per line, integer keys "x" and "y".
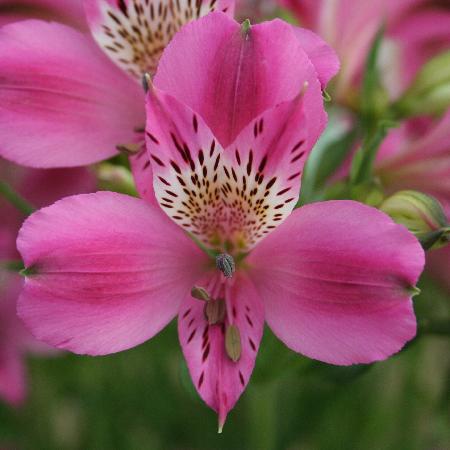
{"x": 115, "y": 178}
{"x": 421, "y": 214}
{"x": 233, "y": 342}
{"x": 429, "y": 93}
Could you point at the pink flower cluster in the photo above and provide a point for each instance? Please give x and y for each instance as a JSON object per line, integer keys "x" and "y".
{"x": 218, "y": 141}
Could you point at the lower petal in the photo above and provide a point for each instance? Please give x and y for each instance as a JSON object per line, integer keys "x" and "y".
{"x": 107, "y": 272}
{"x": 336, "y": 279}
{"x": 219, "y": 380}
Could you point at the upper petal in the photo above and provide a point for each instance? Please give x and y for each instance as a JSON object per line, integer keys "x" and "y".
{"x": 336, "y": 282}
{"x": 62, "y": 102}
{"x": 219, "y": 380}
{"x": 322, "y": 56}
{"x": 134, "y": 33}
{"x": 108, "y": 272}
{"x": 231, "y": 75}
{"x": 233, "y": 198}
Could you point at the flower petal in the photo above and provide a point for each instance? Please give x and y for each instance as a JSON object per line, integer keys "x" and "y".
{"x": 322, "y": 56}
{"x": 231, "y": 75}
{"x": 143, "y": 175}
{"x": 232, "y": 197}
{"x": 62, "y": 102}
{"x": 336, "y": 280}
{"x": 218, "y": 379}
{"x": 108, "y": 272}
{"x": 134, "y": 33}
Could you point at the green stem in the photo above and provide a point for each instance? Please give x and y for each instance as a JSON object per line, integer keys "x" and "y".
{"x": 15, "y": 199}
{"x": 263, "y": 416}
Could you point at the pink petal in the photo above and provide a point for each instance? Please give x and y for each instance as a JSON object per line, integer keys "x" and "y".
{"x": 40, "y": 188}
{"x": 109, "y": 272}
{"x": 322, "y": 56}
{"x": 265, "y": 164}
{"x": 336, "y": 280}
{"x": 230, "y": 77}
{"x": 235, "y": 196}
{"x": 421, "y": 35}
{"x": 218, "y": 379}
{"x": 134, "y": 33}
{"x": 62, "y": 102}
{"x": 143, "y": 176}
{"x": 418, "y": 162}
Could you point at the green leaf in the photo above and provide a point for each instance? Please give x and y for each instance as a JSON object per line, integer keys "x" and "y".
{"x": 15, "y": 199}
{"x": 373, "y": 97}
{"x": 327, "y": 156}
{"x": 362, "y": 164}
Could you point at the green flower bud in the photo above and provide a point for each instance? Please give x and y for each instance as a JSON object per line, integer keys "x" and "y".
{"x": 421, "y": 214}
{"x": 429, "y": 93}
{"x": 115, "y": 178}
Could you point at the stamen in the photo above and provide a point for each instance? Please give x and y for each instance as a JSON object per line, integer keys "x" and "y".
{"x": 146, "y": 82}
{"x": 225, "y": 263}
{"x": 200, "y": 293}
{"x": 215, "y": 311}
{"x": 130, "y": 149}
{"x": 233, "y": 343}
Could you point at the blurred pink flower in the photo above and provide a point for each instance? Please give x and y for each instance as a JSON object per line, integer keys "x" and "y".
{"x": 42, "y": 187}
{"x": 227, "y": 138}
{"x": 416, "y": 30}
{"x": 417, "y": 156}
{"x": 62, "y": 100}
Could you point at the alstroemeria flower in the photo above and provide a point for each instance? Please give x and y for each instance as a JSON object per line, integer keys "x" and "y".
{"x": 41, "y": 187}
{"x": 66, "y": 100}
{"x": 227, "y": 138}
{"x": 416, "y": 30}
{"x": 417, "y": 156}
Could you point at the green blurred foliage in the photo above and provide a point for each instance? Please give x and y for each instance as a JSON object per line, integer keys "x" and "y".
{"x": 143, "y": 399}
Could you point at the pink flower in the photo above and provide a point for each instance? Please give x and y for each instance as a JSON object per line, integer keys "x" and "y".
{"x": 227, "y": 138}
{"x": 66, "y": 100}
{"x": 417, "y": 156}
{"x": 416, "y": 30}
{"x": 41, "y": 187}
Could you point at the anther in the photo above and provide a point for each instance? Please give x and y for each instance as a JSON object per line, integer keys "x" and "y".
{"x": 129, "y": 149}
{"x": 200, "y": 293}
{"x": 225, "y": 263}
{"x": 215, "y": 311}
{"x": 146, "y": 81}
{"x": 233, "y": 343}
